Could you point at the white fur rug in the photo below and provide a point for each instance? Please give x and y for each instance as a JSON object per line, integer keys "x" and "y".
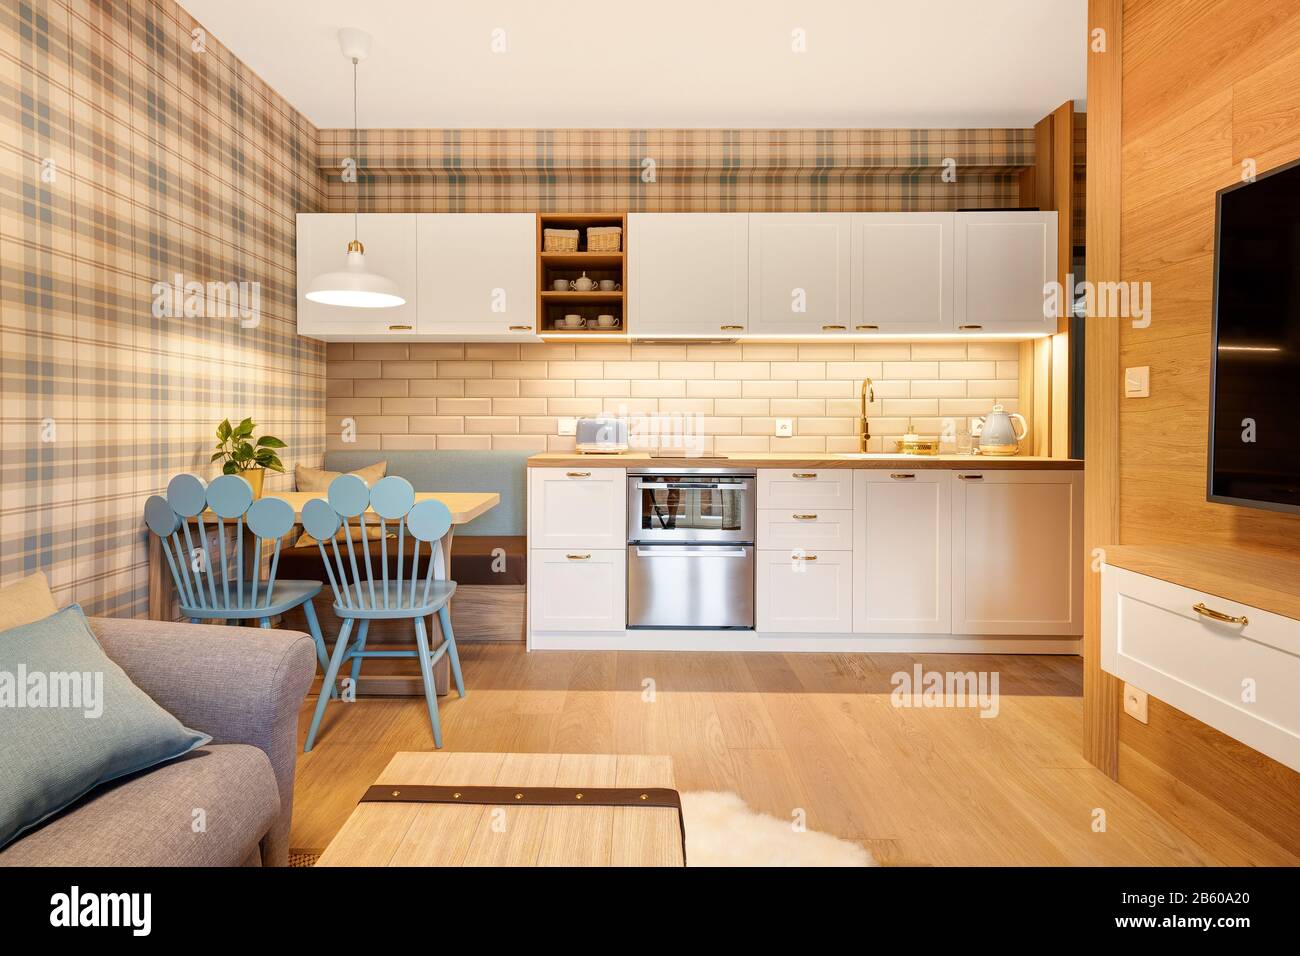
{"x": 722, "y": 831}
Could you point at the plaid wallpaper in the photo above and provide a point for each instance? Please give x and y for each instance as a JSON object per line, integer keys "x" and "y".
{"x": 677, "y": 170}
{"x": 134, "y": 150}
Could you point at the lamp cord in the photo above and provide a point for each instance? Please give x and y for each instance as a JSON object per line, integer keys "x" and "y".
{"x": 356, "y": 152}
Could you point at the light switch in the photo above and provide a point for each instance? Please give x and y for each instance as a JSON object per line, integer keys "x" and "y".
{"x": 1137, "y": 382}
{"x": 567, "y": 426}
{"x": 784, "y": 427}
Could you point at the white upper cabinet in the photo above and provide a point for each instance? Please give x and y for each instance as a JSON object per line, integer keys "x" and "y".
{"x": 478, "y": 273}
{"x": 903, "y": 272}
{"x": 1003, "y": 260}
{"x": 390, "y": 250}
{"x": 799, "y": 266}
{"x": 689, "y": 273}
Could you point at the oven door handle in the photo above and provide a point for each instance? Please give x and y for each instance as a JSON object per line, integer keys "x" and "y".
{"x": 678, "y": 550}
{"x": 689, "y": 486}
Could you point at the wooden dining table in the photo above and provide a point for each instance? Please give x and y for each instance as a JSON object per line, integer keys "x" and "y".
{"x": 464, "y": 506}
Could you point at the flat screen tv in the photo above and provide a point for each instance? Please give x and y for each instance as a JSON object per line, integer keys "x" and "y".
{"x": 1255, "y": 368}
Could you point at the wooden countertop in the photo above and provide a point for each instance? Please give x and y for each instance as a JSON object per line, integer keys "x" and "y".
{"x": 463, "y": 505}
{"x": 779, "y": 460}
{"x": 1268, "y": 582}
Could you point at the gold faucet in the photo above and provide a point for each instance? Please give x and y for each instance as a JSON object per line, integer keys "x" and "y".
{"x": 864, "y": 430}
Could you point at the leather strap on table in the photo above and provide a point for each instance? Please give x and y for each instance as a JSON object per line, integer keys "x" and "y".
{"x": 658, "y": 797}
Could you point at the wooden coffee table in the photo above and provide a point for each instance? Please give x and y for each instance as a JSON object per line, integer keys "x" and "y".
{"x": 450, "y": 834}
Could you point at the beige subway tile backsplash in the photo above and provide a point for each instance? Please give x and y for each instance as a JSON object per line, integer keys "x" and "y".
{"x": 511, "y": 396}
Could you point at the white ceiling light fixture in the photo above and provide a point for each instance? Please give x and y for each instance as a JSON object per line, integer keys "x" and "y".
{"x": 355, "y": 287}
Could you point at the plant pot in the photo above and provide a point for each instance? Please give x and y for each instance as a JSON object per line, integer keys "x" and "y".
{"x": 254, "y": 477}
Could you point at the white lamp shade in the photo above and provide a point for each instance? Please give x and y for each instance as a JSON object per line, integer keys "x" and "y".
{"x": 355, "y": 287}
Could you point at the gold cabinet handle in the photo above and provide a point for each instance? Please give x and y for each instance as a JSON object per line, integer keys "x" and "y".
{"x": 804, "y": 517}
{"x": 732, "y": 328}
{"x": 866, "y": 328}
{"x": 1211, "y": 613}
{"x": 577, "y": 557}
{"x": 805, "y": 474}
{"x": 400, "y": 328}
{"x": 835, "y": 328}
{"x": 520, "y": 328}
{"x": 902, "y": 476}
{"x": 970, "y": 328}
{"x": 804, "y": 557}
{"x": 577, "y": 474}
{"x": 971, "y": 477}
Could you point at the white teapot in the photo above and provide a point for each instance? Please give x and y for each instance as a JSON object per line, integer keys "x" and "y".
{"x": 583, "y": 284}
{"x": 997, "y": 434}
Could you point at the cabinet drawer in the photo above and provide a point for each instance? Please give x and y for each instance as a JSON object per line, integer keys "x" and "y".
{"x": 804, "y": 592}
{"x": 805, "y": 489}
{"x": 577, "y": 508}
{"x": 1238, "y": 678}
{"x": 577, "y": 590}
{"x": 829, "y": 530}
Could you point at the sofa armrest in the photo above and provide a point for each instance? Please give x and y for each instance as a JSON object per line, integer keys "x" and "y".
{"x": 240, "y": 685}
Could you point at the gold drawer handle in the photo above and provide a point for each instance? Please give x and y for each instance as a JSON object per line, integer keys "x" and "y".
{"x": 1209, "y": 612}
{"x": 866, "y": 328}
{"x": 732, "y": 328}
{"x": 520, "y": 328}
{"x": 835, "y": 328}
{"x": 971, "y": 477}
{"x": 804, "y": 557}
{"x": 805, "y": 474}
{"x": 399, "y": 328}
{"x": 577, "y": 557}
{"x": 804, "y": 517}
{"x": 577, "y": 474}
{"x": 970, "y": 328}
{"x": 901, "y": 476}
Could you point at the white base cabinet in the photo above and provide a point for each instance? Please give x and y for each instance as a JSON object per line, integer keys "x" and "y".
{"x": 1239, "y": 678}
{"x": 576, "y": 590}
{"x": 903, "y": 559}
{"x": 803, "y": 592}
{"x": 577, "y": 508}
{"x": 1017, "y": 552}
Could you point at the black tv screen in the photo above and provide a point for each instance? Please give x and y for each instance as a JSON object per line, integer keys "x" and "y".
{"x": 1255, "y": 368}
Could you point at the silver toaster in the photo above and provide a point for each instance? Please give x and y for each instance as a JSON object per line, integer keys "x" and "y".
{"x": 602, "y": 435}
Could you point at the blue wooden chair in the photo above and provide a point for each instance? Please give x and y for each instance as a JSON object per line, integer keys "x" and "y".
{"x": 385, "y": 595}
{"x": 211, "y": 592}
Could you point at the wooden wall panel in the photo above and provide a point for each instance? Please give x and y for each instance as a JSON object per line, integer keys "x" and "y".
{"x": 1205, "y": 84}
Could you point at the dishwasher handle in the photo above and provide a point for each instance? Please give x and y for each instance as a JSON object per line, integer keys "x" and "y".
{"x": 680, "y": 550}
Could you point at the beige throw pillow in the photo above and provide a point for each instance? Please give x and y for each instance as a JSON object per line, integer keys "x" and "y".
{"x": 317, "y": 481}
{"x": 26, "y": 601}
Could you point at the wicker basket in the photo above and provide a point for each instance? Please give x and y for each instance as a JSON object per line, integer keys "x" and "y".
{"x": 604, "y": 238}
{"x": 559, "y": 240}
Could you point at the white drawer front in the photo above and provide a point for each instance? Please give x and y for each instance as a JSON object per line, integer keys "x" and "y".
{"x": 805, "y": 489}
{"x": 1239, "y": 679}
{"x": 811, "y": 530}
{"x": 577, "y": 508}
{"x": 576, "y": 590}
{"x": 813, "y": 595}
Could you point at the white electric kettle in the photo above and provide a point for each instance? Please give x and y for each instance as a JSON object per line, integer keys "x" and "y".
{"x": 997, "y": 434}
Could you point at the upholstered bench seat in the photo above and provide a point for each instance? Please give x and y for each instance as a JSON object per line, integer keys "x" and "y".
{"x": 485, "y": 559}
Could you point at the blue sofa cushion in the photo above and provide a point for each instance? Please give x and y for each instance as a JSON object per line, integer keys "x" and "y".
{"x": 70, "y": 720}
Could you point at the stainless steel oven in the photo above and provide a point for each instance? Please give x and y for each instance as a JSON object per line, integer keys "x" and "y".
{"x": 690, "y": 553}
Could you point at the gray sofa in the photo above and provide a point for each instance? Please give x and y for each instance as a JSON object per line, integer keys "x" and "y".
{"x": 244, "y": 687}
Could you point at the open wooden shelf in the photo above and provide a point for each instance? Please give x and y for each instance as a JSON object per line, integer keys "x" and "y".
{"x": 551, "y": 305}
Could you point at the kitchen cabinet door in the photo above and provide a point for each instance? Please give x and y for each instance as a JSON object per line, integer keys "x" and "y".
{"x": 804, "y": 592}
{"x": 577, "y": 590}
{"x": 688, "y": 273}
{"x": 478, "y": 274}
{"x": 1017, "y": 552}
{"x": 799, "y": 265}
{"x": 903, "y": 569}
{"x": 581, "y": 508}
{"x": 390, "y": 249}
{"x": 903, "y": 272}
{"x": 1003, "y": 260}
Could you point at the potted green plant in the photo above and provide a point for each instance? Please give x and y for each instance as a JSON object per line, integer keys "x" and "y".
{"x": 246, "y": 456}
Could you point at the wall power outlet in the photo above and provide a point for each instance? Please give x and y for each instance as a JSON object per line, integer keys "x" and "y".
{"x": 1135, "y": 702}
{"x": 784, "y": 427}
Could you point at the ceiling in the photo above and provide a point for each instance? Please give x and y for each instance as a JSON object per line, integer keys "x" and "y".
{"x": 666, "y": 63}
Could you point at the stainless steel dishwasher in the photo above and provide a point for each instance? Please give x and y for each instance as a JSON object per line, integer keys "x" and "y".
{"x": 690, "y": 551}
